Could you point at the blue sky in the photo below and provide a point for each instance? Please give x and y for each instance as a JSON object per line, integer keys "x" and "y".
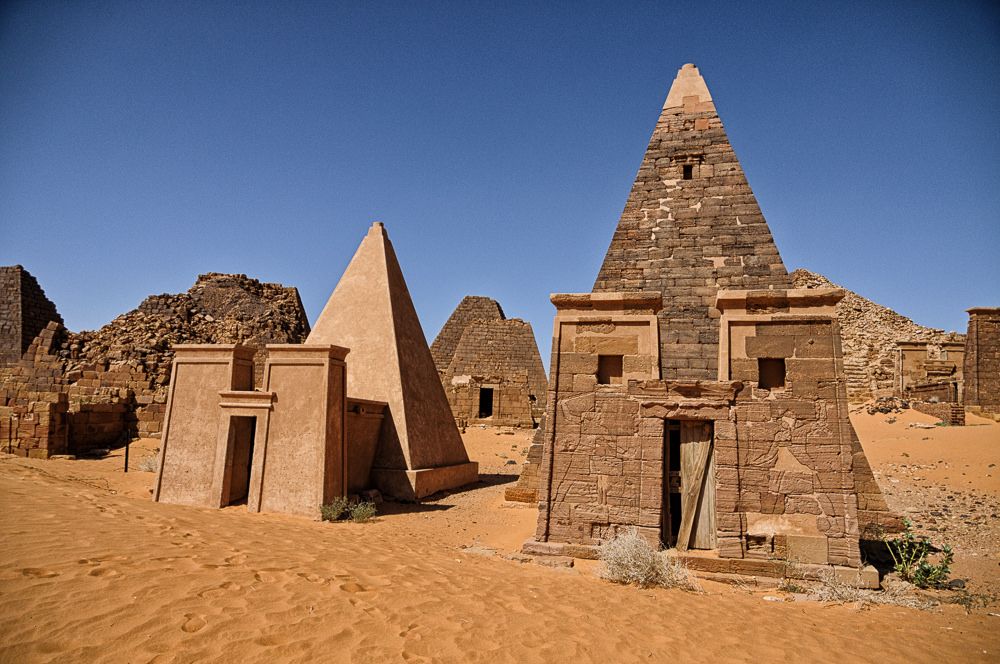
{"x": 143, "y": 143}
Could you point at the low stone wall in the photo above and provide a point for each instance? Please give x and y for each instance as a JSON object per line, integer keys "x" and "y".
{"x": 33, "y": 424}
{"x": 952, "y": 414}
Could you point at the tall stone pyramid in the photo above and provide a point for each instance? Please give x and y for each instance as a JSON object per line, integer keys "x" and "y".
{"x": 370, "y": 311}
{"x": 691, "y": 227}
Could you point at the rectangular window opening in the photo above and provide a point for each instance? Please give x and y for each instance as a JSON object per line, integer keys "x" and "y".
{"x": 770, "y": 372}
{"x": 609, "y": 369}
{"x": 688, "y": 171}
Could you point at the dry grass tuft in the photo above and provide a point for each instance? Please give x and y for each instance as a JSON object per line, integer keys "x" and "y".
{"x": 628, "y": 559}
{"x": 894, "y": 593}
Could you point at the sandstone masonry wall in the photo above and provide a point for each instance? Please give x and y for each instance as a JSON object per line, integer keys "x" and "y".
{"x": 477, "y": 348}
{"x": 24, "y": 312}
{"x": 982, "y": 360}
{"x": 688, "y": 238}
{"x": 500, "y": 355}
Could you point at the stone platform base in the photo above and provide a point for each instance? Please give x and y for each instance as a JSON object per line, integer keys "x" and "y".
{"x": 420, "y": 483}
{"x": 707, "y": 562}
{"x": 518, "y": 495}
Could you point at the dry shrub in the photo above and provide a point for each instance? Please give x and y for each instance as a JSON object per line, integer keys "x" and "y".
{"x": 629, "y": 559}
{"x": 832, "y": 588}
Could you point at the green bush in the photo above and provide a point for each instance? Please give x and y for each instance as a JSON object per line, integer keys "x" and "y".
{"x": 333, "y": 510}
{"x": 911, "y": 558}
{"x": 362, "y": 512}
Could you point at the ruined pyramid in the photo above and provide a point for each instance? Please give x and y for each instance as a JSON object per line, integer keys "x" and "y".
{"x": 691, "y": 227}
{"x": 370, "y": 311}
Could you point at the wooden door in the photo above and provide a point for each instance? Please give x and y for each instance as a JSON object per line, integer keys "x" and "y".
{"x": 697, "y": 528}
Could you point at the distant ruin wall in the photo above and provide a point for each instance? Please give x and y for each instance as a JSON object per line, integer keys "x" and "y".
{"x": 24, "y": 311}
{"x": 110, "y": 384}
{"x": 982, "y": 359}
{"x": 952, "y": 414}
{"x": 869, "y": 333}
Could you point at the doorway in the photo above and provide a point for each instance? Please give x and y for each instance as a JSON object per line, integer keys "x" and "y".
{"x": 241, "y": 440}
{"x": 688, "y": 516}
{"x": 485, "y": 402}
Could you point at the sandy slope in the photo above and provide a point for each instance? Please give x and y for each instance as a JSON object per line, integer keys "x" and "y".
{"x": 92, "y": 570}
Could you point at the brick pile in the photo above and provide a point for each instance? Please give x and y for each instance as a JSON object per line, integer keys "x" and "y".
{"x": 113, "y": 381}
{"x": 869, "y": 333}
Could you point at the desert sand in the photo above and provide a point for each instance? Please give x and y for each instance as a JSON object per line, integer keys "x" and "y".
{"x": 92, "y": 570}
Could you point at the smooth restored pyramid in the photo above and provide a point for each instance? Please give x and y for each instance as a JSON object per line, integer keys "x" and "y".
{"x": 690, "y": 228}
{"x": 420, "y": 451}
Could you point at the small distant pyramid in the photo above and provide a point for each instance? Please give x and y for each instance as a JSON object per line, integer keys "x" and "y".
{"x": 471, "y": 308}
{"x": 371, "y": 313}
{"x": 691, "y": 226}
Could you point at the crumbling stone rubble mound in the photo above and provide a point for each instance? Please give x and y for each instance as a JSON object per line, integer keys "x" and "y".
{"x": 219, "y": 308}
{"x": 887, "y": 405}
{"x": 869, "y": 333}
{"x": 74, "y": 392}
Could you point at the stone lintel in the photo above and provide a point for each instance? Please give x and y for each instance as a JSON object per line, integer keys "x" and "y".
{"x": 790, "y": 297}
{"x": 366, "y": 407}
{"x": 246, "y": 399}
{"x": 706, "y": 392}
{"x": 919, "y": 345}
{"x": 292, "y": 352}
{"x": 213, "y": 351}
{"x": 646, "y": 301}
{"x": 983, "y": 311}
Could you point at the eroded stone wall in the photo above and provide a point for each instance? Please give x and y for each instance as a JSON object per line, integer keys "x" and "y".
{"x": 479, "y": 349}
{"x": 870, "y": 333}
{"x": 114, "y": 380}
{"x": 24, "y": 312}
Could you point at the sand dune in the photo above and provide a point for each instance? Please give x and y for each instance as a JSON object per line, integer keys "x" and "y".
{"x": 92, "y": 570}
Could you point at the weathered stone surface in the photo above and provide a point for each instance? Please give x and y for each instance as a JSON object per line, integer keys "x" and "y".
{"x": 24, "y": 312}
{"x": 471, "y": 308}
{"x": 982, "y": 360}
{"x": 870, "y": 334}
{"x": 688, "y": 238}
{"x": 741, "y": 415}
